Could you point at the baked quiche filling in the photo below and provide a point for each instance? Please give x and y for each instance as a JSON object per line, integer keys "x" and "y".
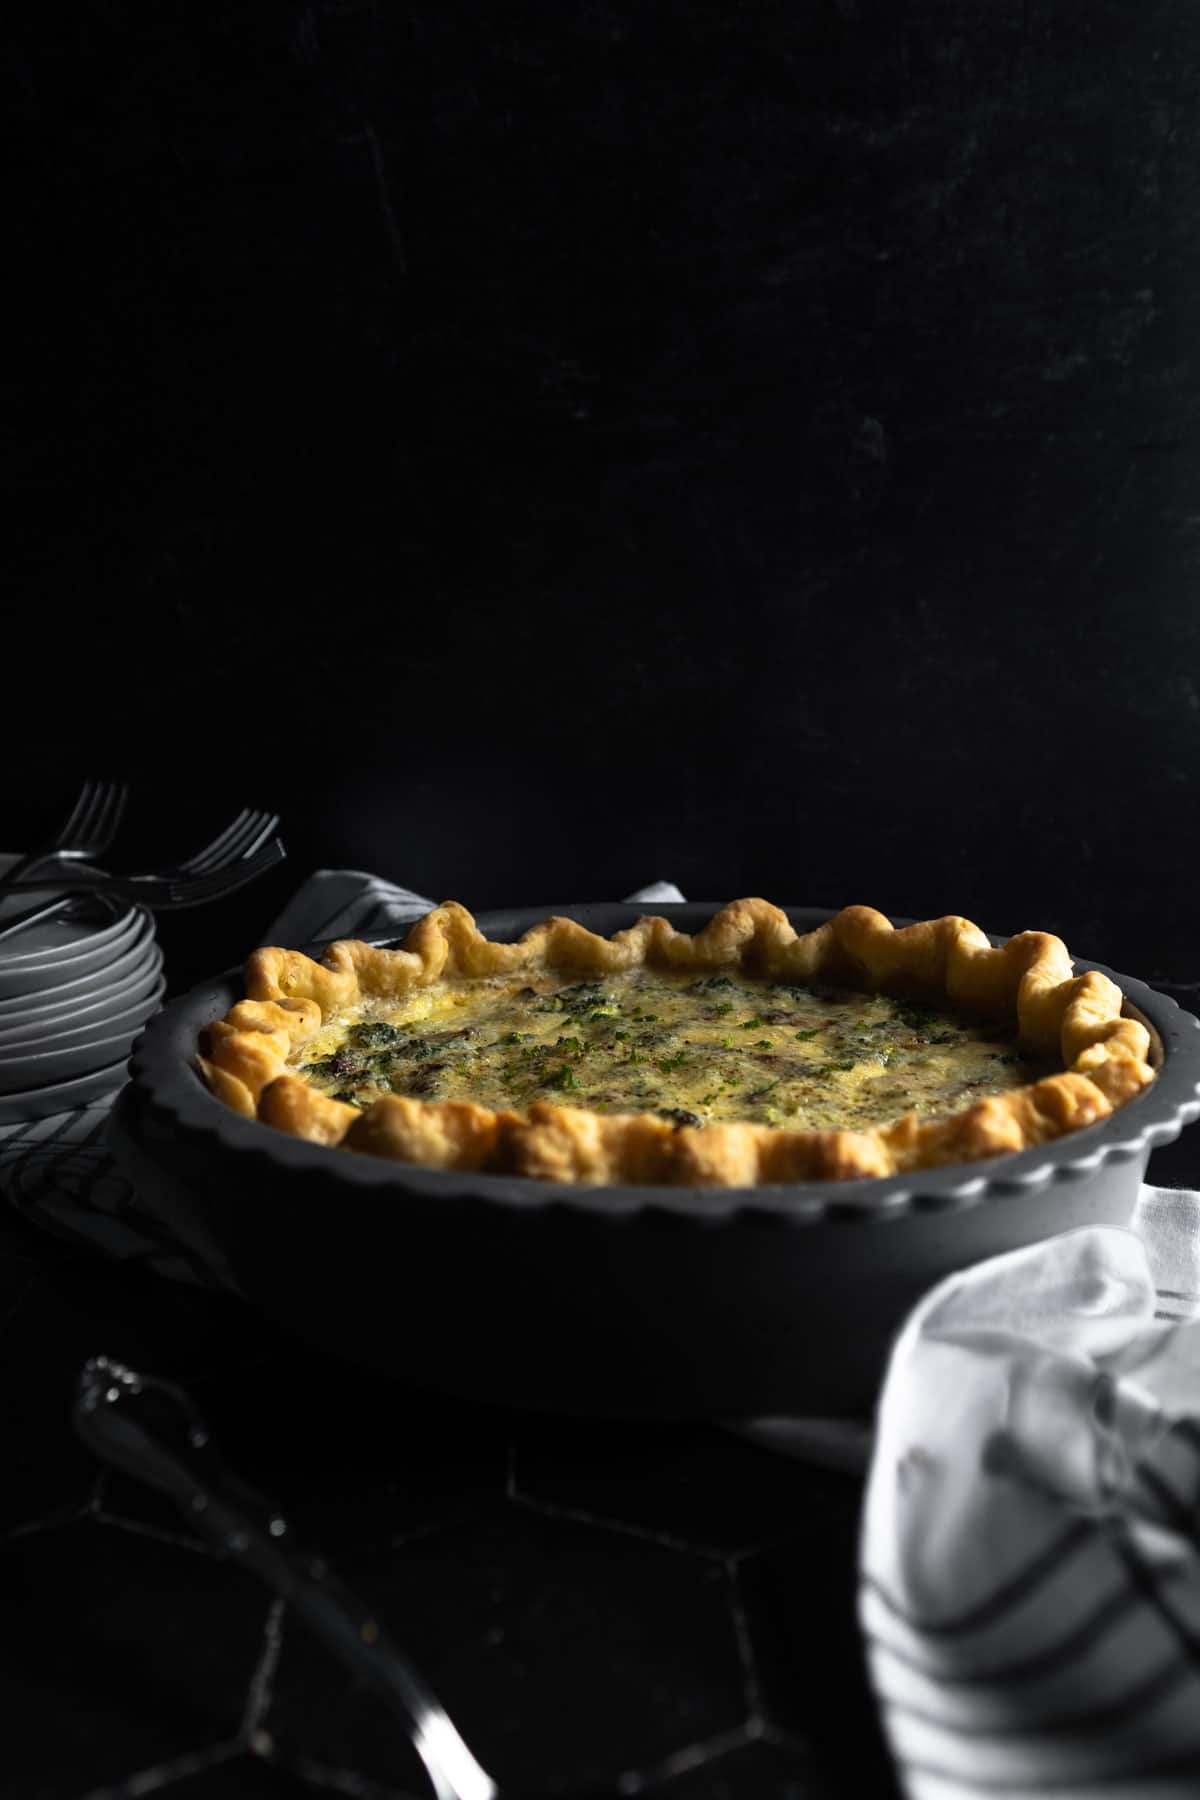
{"x": 743, "y": 1054}
{"x": 694, "y": 1051}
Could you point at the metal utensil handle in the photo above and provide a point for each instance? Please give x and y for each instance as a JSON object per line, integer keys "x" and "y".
{"x": 151, "y": 1430}
{"x": 33, "y": 915}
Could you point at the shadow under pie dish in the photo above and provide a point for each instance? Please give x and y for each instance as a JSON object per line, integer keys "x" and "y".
{"x": 590, "y": 1258}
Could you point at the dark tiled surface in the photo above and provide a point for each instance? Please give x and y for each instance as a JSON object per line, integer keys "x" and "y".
{"x": 359, "y": 1459}
{"x": 225, "y": 1773}
{"x": 689, "y": 1485}
{"x": 659, "y": 1610}
{"x": 755, "y": 1770}
{"x": 662, "y": 1610}
{"x": 798, "y": 1598}
{"x": 147, "y": 1649}
{"x": 565, "y": 1652}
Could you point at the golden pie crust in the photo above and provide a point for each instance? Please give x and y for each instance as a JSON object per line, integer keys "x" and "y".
{"x": 1073, "y": 1019}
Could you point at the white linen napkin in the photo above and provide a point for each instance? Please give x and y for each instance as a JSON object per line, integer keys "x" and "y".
{"x": 1030, "y": 1552}
{"x": 1030, "y": 1556}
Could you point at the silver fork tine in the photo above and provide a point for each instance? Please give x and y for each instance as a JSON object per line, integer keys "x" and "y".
{"x": 257, "y": 828}
{"x": 215, "y": 851}
{"x": 265, "y": 825}
{"x": 78, "y": 814}
{"x": 108, "y": 819}
{"x": 69, "y": 831}
{"x": 207, "y": 886}
{"x": 242, "y": 837}
{"x": 219, "y": 880}
{"x": 94, "y": 825}
{"x": 166, "y": 890}
{"x": 90, "y": 828}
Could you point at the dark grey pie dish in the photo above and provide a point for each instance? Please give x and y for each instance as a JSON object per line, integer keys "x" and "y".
{"x": 630, "y": 1301}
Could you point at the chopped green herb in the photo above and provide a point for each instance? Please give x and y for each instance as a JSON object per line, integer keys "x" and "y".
{"x": 915, "y": 1017}
{"x": 580, "y": 998}
{"x": 372, "y": 1035}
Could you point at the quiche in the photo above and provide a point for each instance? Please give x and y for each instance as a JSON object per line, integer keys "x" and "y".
{"x": 744, "y": 1054}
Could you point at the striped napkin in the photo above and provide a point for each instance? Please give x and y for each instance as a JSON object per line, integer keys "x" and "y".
{"x": 1030, "y": 1553}
{"x": 1030, "y": 1559}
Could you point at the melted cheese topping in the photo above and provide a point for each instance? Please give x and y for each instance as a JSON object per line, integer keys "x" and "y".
{"x": 722, "y": 1047}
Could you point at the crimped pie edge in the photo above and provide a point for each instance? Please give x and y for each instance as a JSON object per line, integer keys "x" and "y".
{"x": 1076, "y": 1018}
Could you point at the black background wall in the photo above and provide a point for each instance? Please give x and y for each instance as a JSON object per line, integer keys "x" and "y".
{"x": 541, "y": 447}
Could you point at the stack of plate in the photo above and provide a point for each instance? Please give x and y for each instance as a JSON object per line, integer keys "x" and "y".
{"x": 75, "y": 990}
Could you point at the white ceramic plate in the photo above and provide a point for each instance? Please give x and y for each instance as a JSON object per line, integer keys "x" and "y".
{"x": 106, "y": 1021}
{"x": 62, "y": 1097}
{"x": 102, "y": 964}
{"x": 32, "y": 1013}
{"x": 57, "y": 939}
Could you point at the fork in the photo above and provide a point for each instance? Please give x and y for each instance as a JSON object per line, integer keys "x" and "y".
{"x": 242, "y": 837}
{"x": 86, "y": 833}
{"x": 168, "y": 892}
{"x": 150, "y": 1429}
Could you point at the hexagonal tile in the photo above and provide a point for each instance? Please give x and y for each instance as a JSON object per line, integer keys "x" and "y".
{"x": 146, "y": 1650}
{"x": 565, "y": 1653}
{"x": 695, "y": 1483}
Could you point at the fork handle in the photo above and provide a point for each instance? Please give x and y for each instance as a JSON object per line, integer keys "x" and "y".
{"x": 32, "y": 915}
{"x": 20, "y": 880}
{"x": 151, "y": 1430}
{"x": 18, "y": 874}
